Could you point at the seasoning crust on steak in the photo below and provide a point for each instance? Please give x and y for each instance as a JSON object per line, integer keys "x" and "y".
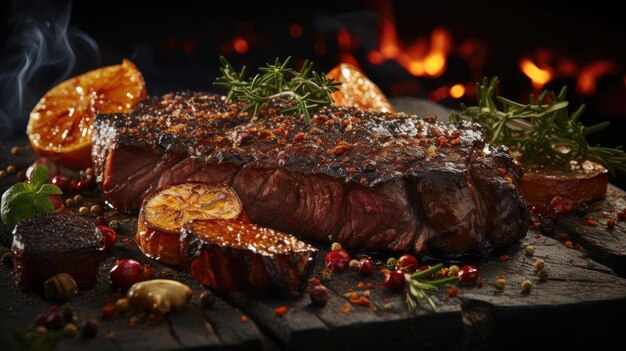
{"x": 361, "y": 178}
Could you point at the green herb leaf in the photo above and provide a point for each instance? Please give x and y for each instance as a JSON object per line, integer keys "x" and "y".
{"x": 39, "y": 175}
{"x": 421, "y": 286}
{"x": 306, "y": 90}
{"x": 542, "y": 131}
{"x": 26, "y": 200}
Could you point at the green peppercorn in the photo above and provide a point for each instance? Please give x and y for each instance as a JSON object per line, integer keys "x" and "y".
{"x": 115, "y": 225}
{"x": 391, "y": 263}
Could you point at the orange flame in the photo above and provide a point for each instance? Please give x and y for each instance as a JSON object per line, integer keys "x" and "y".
{"x": 538, "y": 75}
{"x": 420, "y": 58}
{"x": 589, "y": 75}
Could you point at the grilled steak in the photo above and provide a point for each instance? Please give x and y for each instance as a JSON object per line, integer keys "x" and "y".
{"x": 364, "y": 179}
{"x": 56, "y": 243}
{"x": 233, "y": 255}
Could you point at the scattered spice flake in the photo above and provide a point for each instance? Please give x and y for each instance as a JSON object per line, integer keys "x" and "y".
{"x": 452, "y": 292}
{"x": 352, "y": 170}
{"x": 579, "y": 248}
{"x": 456, "y": 141}
{"x": 281, "y": 141}
{"x": 621, "y": 215}
{"x": 315, "y": 281}
{"x": 610, "y": 223}
{"x": 299, "y": 136}
{"x": 505, "y": 258}
{"x": 280, "y": 311}
{"x": 590, "y": 222}
{"x": 535, "y": 224}
{"x": 442, "y": 141}
{"x": 501, "y": 171}
{"x": 346, "y": 121}
{"x": 561, "y": 237}
{"x": 596, "y": 208}
{"x": 361, "y": 301}
{"x": 345, "y": 308}
{"x": 568, "y": 244}
{"x": 501, "y": 276}
{"x": 361, "y": 285}
{"x": 244, "y": 318}
{"x": 376, "y": 136}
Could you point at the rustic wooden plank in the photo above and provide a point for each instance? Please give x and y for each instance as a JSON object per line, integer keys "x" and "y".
{"x": 477, "y": 318}
{"x": 607, "y": 246}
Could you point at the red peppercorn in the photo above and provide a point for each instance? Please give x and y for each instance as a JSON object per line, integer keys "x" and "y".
{"x": 453, "y": 292}
{"x": 86, "y": 184}
{"x": 90, "y": 329}
{"x": 394, "y": 280}
{"x": 126, "y": 273}
{"x": 337, "y": 260}
{"x": 610, "y": 223}
{"x": 561, "y": 236}
{"x": 101, "y": 220}
{"x": 468, "y": 274}
{"x": 108, "y": 311}
{"x": 366, "y": 266}
{"x": 621, "y": 215}
{"x": 110, "y": 236}
{"x": 62, "y": 182}
{"x": 407, "y": 263}
{"x": 562, "y": 206}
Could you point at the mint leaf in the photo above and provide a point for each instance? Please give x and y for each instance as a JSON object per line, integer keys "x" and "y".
{"x": 49, "y": 189}
{"x": 40, "y": 175}
{"x": 26, "y": 200}
{"x": 43, "y": 204}
{"x": 20, "y": 210}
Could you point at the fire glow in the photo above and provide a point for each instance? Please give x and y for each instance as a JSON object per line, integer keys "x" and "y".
{"x": 421, "y": 58}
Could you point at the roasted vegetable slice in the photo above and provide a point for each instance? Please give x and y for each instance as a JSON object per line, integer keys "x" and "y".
{"x": 164, "y": 213}
{"x": 232, "y": 255}
{"x": 582, "y": 181}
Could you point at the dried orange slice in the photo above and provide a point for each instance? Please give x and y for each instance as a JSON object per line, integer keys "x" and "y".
{"x": 357, "y": 90}
{"x": 166, "y": 211}
{"x": 61, "y": 124}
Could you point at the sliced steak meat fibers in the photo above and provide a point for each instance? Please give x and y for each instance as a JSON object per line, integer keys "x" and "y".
{"x": 361, "y": 178}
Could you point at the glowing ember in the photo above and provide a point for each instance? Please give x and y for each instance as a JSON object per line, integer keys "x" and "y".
{"x": 240, "y": 45}
{"x": 590, "y": 74}
{"x": 538, "y": 75}
{"x": 457, "y": 91}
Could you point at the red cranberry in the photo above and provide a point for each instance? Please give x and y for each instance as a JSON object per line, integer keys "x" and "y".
{"x": 394, "y": 280}
{"x": 62, "y": 182}
{"x": 366, "y": 266}
{"x": 110, "y": 236}
{"x": 53, "y": 169}
{"x": 407, "y": 263}
{"x": 319, "y": 294}
{"x": 337, "y": 260}
{"x": 468, "y": 274}
{"x": 126, "y": 273}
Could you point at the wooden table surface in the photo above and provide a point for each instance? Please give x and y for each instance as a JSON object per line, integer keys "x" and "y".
{"x": 575, "y": 306}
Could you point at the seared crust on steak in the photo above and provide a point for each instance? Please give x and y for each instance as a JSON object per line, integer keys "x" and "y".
{"x": 362, "y": 178}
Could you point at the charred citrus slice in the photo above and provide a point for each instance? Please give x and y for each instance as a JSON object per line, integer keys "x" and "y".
{"x": 356, "y": 90}
{"x": 61, "y": 124}
{"x": 581, "y": 181}
{"x": 167, "y": 210}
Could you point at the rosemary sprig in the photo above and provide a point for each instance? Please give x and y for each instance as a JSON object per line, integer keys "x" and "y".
{"x": 543, "y": 131}
{"x": 420, "y": 287}
{"x": 306, "y": 89}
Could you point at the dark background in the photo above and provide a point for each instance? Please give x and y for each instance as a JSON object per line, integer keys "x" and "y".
{"x": 176, "y": 46}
